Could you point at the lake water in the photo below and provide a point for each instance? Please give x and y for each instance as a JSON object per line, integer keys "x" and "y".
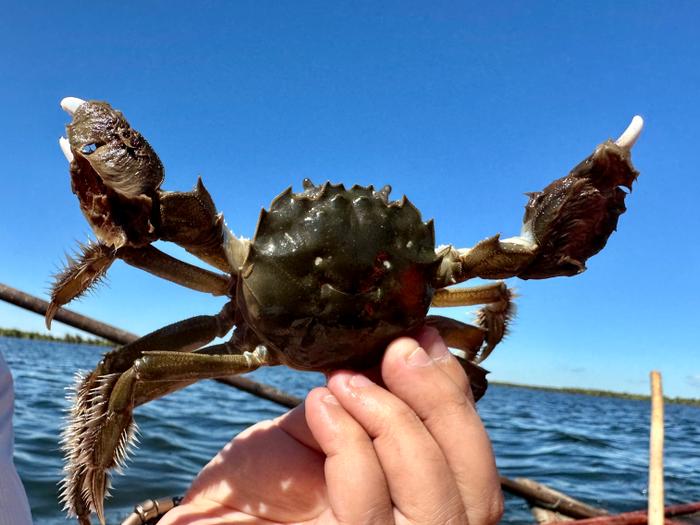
{"x": 594, "y": 449}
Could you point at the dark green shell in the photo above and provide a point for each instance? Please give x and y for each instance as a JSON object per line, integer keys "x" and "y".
{"x": 333, "y": 275}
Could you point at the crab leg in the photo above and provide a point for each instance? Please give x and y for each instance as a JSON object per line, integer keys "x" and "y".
{"x": 162, "y": 265}
{"x": 116, "y": 425}
{"x": 89, "y": 267}
{"x": 493, "y": 317}
{"x": 88, "y": 414}
{"x": 465, "y": 337}
{"x": 564, "y": 224}
{"x": 488, "y": 293}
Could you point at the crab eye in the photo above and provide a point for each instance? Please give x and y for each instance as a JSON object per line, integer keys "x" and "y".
{"x": 88, "y": 149}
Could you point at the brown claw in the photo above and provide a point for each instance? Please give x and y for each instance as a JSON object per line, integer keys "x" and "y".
{"x": 572, "y": 218}
{"x": 564, "y": 224}
{"x": 115, "y": 174}
{"x": 121, "y": 156}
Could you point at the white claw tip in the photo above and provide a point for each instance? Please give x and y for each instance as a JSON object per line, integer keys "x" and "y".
{"x": 631, "y": 134}
{"x": 70, "y": 104}
{"x": 65, "y": 148}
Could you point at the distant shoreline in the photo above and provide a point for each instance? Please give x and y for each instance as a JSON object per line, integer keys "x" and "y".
{"x": 68, "y": 338}
{"x": 599, "y": 393}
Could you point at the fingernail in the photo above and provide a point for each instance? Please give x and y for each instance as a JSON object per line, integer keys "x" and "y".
{"x": 330, "y": 399}
{"x": 434, "y": 346}
{"x": 418, "y": 358}
{"x": 438, "y": 350}
{"x": 359, "y": 381}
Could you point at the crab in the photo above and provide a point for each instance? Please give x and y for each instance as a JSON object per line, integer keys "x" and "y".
{"x": 330, "y": 277}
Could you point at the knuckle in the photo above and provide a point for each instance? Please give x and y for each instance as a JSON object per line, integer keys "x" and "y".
{"x": 396, "y": 421}
{"x": 496, "y": 509}
{"x": 451, "y": 407}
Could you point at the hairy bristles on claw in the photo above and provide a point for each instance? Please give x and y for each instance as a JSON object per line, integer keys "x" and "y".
{"x": 495, "y": 318}
{"x": 83, "y": 272}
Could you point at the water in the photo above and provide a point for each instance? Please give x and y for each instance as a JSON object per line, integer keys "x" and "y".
{"x": 594, "y": 449}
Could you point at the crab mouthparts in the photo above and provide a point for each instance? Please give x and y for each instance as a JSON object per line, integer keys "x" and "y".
{"x": 69, "y": 105}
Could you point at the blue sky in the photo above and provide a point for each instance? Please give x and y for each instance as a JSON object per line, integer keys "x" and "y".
{"x": 461, "y": 106}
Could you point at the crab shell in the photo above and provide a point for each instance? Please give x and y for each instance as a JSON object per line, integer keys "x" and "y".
{"x": 333, "y": 275}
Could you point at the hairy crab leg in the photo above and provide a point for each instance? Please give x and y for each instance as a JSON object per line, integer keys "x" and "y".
{"x": 86, "y": 270}
{"x": 487, "y": 293}
{"x": 456, "y": 334}
{"x": 493, "y": 317}
{"x": 564, "y": 224}
{"x": 110, "y": 441}
{"x": 91, "y": 395}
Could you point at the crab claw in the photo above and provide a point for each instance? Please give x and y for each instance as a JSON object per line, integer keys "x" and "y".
{"x": 572, "y": 218}
{"x": 69, "y": 105}
{"x": 116, "y": 175}
{"x": 119, "y": 155}
{"x": 564, "y": 224}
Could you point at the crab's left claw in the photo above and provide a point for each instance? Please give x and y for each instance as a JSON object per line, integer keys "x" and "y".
{"x": 116, "y": 175}
{"x": 564, "y": 224}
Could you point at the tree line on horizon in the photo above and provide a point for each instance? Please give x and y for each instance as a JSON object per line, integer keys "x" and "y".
{"x": 67, "y": 338}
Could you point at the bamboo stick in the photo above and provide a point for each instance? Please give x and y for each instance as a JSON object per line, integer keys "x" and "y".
{"x": 656, "y": 453}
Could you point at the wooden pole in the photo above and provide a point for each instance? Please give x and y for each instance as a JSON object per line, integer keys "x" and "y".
{"x": 81, "y": 322}
{"x": 656, "y": 452}
{"x": 542, "y": 496}
{"x": 122, "y": 337}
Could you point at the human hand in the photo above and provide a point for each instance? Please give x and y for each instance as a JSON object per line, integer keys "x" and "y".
{"x": 411, "y": 452}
